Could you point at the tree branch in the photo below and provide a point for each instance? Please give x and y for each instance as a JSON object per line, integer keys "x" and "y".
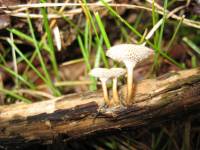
{"x": 78, "y": 115}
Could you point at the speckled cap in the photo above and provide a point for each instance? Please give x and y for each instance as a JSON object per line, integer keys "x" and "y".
{"x": 129, "y": 52}
{"x": 101, "y": 73}
{"x": 117, "y": 72}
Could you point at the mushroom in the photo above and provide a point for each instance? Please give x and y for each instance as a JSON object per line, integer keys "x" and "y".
{"x": 117, "y": 72}
{"x": 130, "y": 54}
{"x": 103, "y": 74}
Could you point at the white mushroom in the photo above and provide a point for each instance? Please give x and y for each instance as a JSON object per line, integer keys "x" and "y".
{"x": 130, "y": 54}
{"x": 117, "y": 72}
{"x": 103, "y": 74}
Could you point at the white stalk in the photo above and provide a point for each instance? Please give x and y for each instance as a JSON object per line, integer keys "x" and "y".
{"x": 115, "y": 93}
{"x": 130, "y": 66}
{"x": 105, "y": 91}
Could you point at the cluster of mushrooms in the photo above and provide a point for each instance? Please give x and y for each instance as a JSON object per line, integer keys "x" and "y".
{"x": 130, "y": 55}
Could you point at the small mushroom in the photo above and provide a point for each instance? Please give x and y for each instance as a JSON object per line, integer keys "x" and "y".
{"x": 103, "y": 74}
{"x": 117, "y": 72}
{"x": 130, "y": 54}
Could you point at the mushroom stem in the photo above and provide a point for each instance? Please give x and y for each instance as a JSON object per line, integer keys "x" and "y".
{"x": 115, "y": 94}
{"x": 130, "y": 85}
{"x": 129, "y": 66}
{"x": 105, "y": 92}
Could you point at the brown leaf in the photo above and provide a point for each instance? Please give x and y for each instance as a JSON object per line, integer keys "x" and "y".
{"x": 4, "y": 21}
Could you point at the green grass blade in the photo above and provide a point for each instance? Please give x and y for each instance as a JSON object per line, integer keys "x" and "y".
{"x": 49, "y": 39}
{"x": 93, "y": 86}
{"x": 141, "y": 41}
{"x": 47, "y": 76}
{"x": 27, "y": 38}
{"x": 34, "y": 54}
{"x": 125, "y": 36}
{"x": 21, "y": 35}
{"x": 87, "y": 62}
{"x": 114, "y": 13}
{"x": 191, "y": 45}
{"x": 159, "y": 40}
{"x": 87, "y": 38}
{"x": 87, "y": 12}
{"x": 2, "y": 60}
{"x": 18, "y": 76}
{"x": 26, "y": 60}
{"x": 32, "y": 41}
{"x": 174, "y": 34}
{"x": 19, "y": 97}
{"x": 29, "y": 63}
{"x": 194, "y": 61}
{"x": 162, "y": 25}
{"x": 164, "y": 54}
{"x": 84, "y": 53}
{"x": 102, "y": 29}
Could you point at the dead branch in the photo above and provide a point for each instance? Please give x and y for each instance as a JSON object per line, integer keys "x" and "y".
{"x": 78, "y": 115}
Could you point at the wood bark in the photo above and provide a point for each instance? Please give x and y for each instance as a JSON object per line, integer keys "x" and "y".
{"x": 78, "y": 115}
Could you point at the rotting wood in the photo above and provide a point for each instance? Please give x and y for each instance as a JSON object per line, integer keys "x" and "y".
{"x": 77, "y": 115}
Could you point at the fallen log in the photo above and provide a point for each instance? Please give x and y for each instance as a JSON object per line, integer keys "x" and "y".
{"x": 76, "y": 115}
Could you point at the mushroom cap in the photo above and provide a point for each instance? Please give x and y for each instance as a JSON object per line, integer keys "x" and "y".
{"x": 117, "y": 72}
{"x": 101, "y": 73}
{"x": 129, "y": 52}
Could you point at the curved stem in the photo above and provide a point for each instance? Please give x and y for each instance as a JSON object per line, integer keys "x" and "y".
{"x": 115, "y": 93}
{"x": 105, "y": 92}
